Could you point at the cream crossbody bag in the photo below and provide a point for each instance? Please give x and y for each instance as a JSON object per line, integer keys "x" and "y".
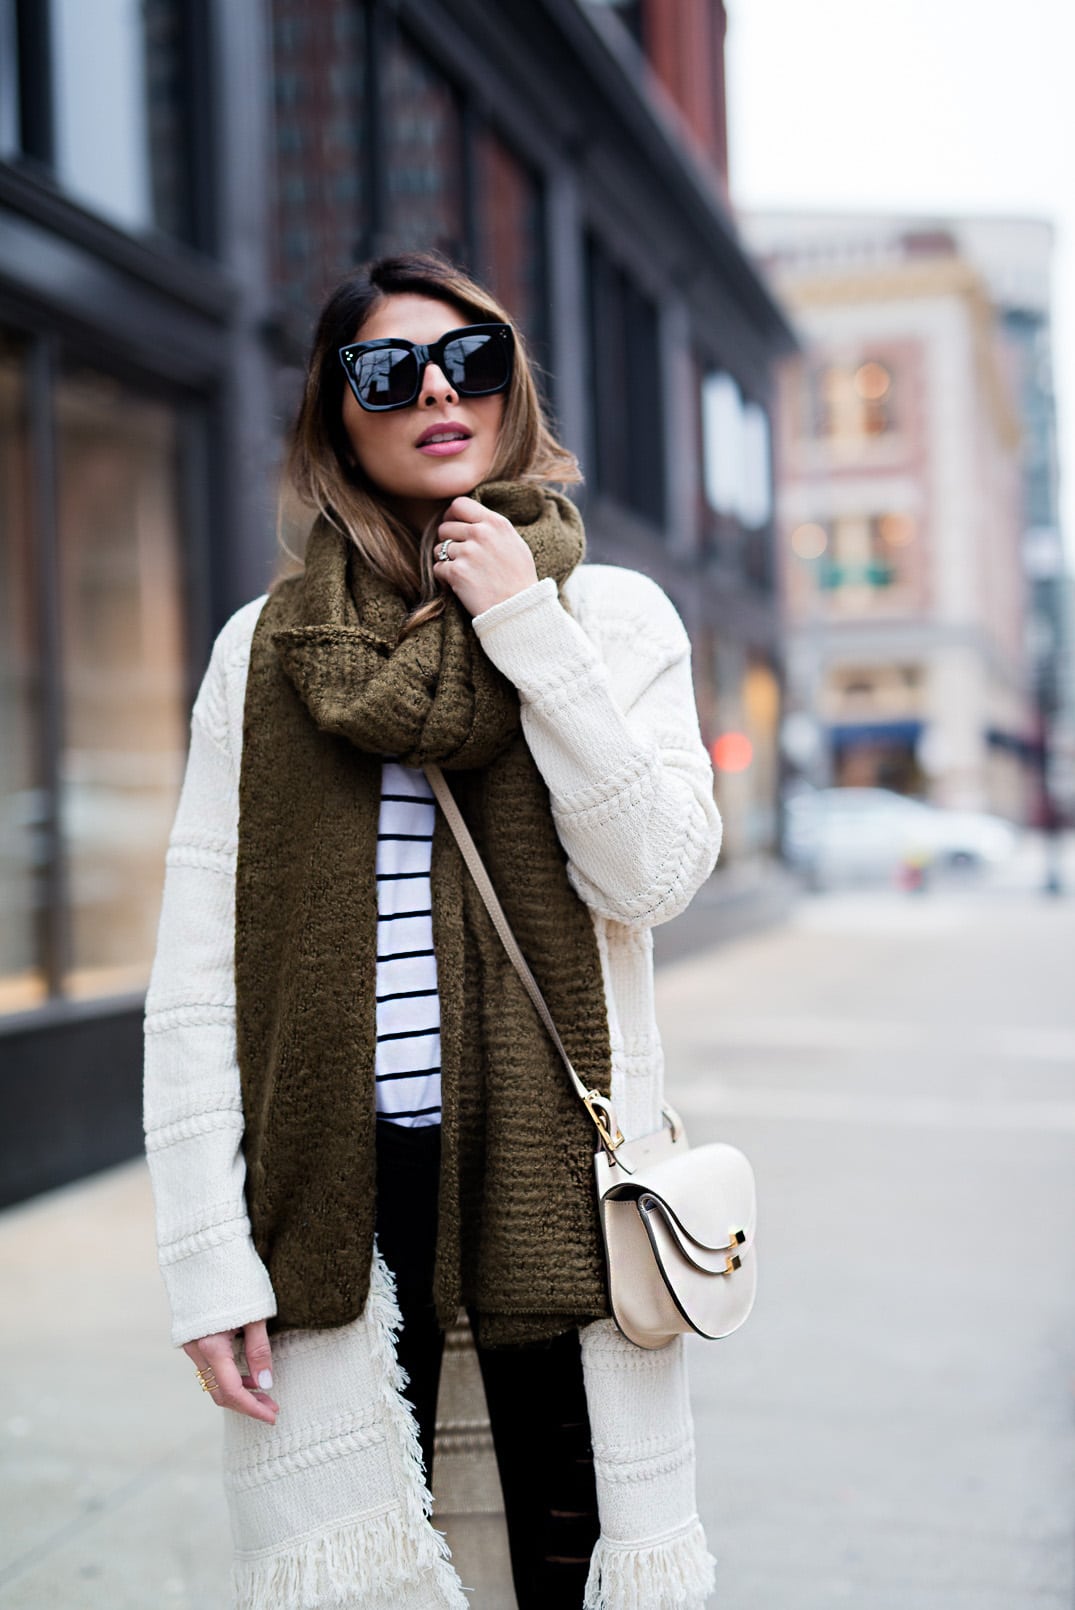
{"x": 678, "y": 1224}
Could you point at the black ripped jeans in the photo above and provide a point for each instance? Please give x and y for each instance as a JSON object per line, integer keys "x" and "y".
{"x": 535, "y": 1395}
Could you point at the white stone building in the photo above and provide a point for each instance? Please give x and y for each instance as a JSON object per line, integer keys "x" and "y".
{"x": 899, "y": 523}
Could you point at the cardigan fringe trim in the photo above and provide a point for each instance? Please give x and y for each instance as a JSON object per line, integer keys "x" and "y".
{"x": 363, "y": 1566}
{"x": 392, "y": 1559}
{"x": 675, "y": 1573}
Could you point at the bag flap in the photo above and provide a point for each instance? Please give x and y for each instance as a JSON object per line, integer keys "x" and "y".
{"x": 707, "y": 1194}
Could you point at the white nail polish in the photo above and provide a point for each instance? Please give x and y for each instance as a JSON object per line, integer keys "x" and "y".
{"x": 265, "y": 1380}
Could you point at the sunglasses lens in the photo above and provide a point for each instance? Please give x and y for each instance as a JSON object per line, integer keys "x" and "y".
{"x": 477, "y": 363}
{"x": 387, "y": 377}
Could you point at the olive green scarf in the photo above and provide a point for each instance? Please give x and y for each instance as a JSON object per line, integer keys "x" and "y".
{"x": 331, "y": 692}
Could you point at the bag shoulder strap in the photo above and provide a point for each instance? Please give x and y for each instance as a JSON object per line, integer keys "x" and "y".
{"x": 596, "y": 1104}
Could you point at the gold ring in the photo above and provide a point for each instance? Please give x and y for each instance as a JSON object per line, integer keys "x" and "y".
{"x": 208, "y": 1380}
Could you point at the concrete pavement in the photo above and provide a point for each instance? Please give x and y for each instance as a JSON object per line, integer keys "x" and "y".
{"x": 109, "y": 1452}
{"x": 892, "y": 1428}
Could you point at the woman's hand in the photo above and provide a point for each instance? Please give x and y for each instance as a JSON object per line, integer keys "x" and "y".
{"x": 489, "y": 560}
{"x": 246, "y": 1394}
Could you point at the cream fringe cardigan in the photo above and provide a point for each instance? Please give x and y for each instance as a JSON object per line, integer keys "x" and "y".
{"x": 329, "y": 1506}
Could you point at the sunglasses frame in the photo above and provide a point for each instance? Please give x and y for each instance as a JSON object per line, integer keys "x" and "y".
{"x": 425, "y": 355}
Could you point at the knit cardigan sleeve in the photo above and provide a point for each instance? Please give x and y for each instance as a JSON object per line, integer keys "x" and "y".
{"x": 608, "y": 712}
{"x": 192, "y": 1104}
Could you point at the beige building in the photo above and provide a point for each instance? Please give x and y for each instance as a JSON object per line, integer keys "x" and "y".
{"x": 898, "y": 516}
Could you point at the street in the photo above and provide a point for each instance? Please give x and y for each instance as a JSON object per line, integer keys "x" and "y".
{"x": 893, "y": 1427}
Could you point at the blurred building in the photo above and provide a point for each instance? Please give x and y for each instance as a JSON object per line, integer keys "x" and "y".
{"x": 180, "y": 182}
{"x": 917, "y": 480}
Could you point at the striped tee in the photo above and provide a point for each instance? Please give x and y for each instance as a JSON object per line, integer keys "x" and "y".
{"x": 407, "y": 1066}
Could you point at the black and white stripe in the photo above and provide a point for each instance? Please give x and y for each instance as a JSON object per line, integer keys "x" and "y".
{"x": 407, "y": 1068}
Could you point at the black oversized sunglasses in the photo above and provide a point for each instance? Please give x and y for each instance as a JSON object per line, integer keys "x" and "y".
{"x": 476, "y": 360}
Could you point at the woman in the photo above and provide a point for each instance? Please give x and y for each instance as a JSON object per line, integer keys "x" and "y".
{"x": 355, "y": 1121}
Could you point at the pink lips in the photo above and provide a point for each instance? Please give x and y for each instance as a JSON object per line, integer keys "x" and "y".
{"x": 445, "y": 449}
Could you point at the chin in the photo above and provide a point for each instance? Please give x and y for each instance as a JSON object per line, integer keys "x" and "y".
{"x": 454, "y": 482}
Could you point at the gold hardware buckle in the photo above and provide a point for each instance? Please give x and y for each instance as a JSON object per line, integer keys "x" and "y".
{"x": 590, "y": 1102}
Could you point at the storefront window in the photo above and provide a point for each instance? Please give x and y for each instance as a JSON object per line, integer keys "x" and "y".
{"x": 124, "y": 724}
{"x": 22, "y": 804}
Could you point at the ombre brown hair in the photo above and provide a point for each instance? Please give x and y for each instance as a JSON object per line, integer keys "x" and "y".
{"x": 320, "y": 469}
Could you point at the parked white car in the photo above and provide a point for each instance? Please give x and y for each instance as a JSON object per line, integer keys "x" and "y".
{"x": 848, "y": 834}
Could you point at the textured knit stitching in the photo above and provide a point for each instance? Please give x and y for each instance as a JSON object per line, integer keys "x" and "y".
{"x": 285, "y": 1443}
{"x": 316, "y": 1454}
{"x": 190, "y": 1128}
{"x": 195, "y": 855}
{"x": 214, "y": 1235}
{"x": 190, "y": 1014}
{"x": 652, "y": 1551}
{"x": 645, "y": 1470}
{"x": 328, "y": 662}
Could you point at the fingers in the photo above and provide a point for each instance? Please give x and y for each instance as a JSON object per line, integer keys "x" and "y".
{"x": 487, "y": 561}
{"x": 467, "y": 509}
{"x": 258, "y": 1357}
{"x": 484, "y": 525}
{"x": 216, "y": 1353}
{"x": 458, "y": 547}
{"x": 457, "y": 531}
{"x": 469, "y": 538}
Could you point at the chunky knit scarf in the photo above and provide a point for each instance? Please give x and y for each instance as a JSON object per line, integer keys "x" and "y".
{"x": 331, "y": 691}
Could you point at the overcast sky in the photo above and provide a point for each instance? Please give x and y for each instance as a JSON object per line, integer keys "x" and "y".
{"x": 963, "y": 106}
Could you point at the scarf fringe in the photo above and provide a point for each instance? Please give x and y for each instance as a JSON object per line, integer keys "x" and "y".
{"x": 677, "y": 1573}
{"x": 396, "y": 1560}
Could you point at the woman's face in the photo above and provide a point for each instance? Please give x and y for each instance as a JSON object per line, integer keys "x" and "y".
{"x": 416, "y": 479}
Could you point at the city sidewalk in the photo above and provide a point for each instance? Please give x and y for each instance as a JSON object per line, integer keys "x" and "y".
{"x": 109, "y": 1460}
{"x": 892, "y": 1428}
{"x": 110, "y": 1468}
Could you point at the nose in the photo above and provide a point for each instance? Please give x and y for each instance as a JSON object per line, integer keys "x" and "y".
{"x": 436, "y": 387}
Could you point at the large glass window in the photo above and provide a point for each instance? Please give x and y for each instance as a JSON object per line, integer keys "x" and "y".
{"x": 735, "y": 453}
{"x": 22, "y": 804}
{"x": 626, "y": 388}
{"x": 123, "y": 694}
{"x": 105, "y": 90}
{"x": 92, "y": 678}
{"x": 735, "y": 499}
